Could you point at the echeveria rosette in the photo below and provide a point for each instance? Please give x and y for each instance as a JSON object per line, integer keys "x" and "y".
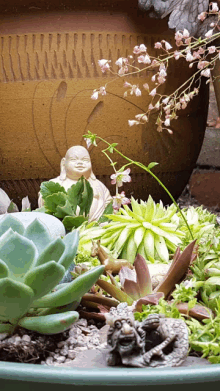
{"x": 148, "y": 229}
{"x": 31, "y": 266}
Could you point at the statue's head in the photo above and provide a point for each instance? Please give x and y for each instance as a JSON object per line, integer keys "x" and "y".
{"x": 76, "y": 163}
{"x": 123, "y": 336}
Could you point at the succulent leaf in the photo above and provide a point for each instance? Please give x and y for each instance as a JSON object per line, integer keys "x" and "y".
{"x": 39, "y": 234}
{"x": 19, "y": 253}
{"x": 52, "y": 252}
{"x": 50, "y": 324}
{"x": 15, "y": 299}
{"x": 6, "y": 328}
{"x": 71, "y": 242}
{"x": 9, "y": 221}
{"x": 4, "y": 270}
{"x": 161, "y": 248}
{"x": 71, "y": 292}
{"x": 44, "y": 278}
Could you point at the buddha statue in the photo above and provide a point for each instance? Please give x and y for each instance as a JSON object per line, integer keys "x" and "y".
{"x": 75, "y": 164}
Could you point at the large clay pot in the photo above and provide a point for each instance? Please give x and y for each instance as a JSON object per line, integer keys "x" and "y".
{"x": 48, "y": 70}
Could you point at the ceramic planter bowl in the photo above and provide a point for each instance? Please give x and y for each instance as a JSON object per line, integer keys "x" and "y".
{"x": 48, "y": 70}
{"x": 31, "y": 377}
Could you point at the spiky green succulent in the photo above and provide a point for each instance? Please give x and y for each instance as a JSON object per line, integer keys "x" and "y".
{"x": 148, "y": 229}
{"x": 31, "y": 266}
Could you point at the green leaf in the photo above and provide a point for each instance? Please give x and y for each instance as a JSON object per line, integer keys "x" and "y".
{"x": 213, "y": 281}
{"x": 73, "y": 292}
{"x": 49, "y": 188}
{"x": 19, "y": 253}
{"x": 6, "y": 328}
{"x": 115, "y": 292}
{"x": 74, "y": 194}
{"x": 54, "y": 200}
{"x": 87, "y": 198}
{"x": 50, "y": 324}
{"x": 52, "y": 252}
{"x": 44, "y": 278}
{"x": 4, "y": 271}
{"x": 9, "y": 221}
{"x": 39, "y": 234}
{"x": 111, "y": 147}
{"x": 108, "y": 210}
{"x": 12, "y": 208}
{"x": 151, "y": 165}
{"x": 71, "y": 222}
{"x": 65, "y": 210}
{"x": 15, "y": 299}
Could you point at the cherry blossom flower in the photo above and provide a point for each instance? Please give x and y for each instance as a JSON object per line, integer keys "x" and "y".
{"x": 211, "y": 49}
{"x": 185, "y": 33}
{"x": 102, "y": 90}
{"x": 153, "y": 78}
{"x": 126, "y": 84}
{"x": 167, "y": 122}
{"x": 146, "y": 86}
{"x": 214, "y": 7}
{"x": 153, "y": 92}
{"x": 209, "y": 34}
{"x": 206, "y": 72}
{"x": 150, "y": 107}
{"x": 142, "y": 48}
{"x": 167, "y": 45}
{"x": 95, "y": 95}
{"x": 165, "y": 100}
{"x": 119, "y": 177}
{"x": 132, "y": 122}
{"x": 120, "y": 199}
{"x": 202, "y": 64}
{"x": 189, "y": 57}
{"x": 104, "y": 65}
{"x": 158, "y": 45}
{"x": 202, "y": 16}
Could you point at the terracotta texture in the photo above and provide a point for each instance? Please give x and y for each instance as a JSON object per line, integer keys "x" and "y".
{"x": 48, "y": 70}
{"x": 205, "y": 187}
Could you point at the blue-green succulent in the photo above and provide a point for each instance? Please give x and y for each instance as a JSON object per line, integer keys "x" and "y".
{"x": 31, "y": 266}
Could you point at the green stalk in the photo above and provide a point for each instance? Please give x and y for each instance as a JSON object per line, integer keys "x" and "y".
{"x": 150, "y": 172}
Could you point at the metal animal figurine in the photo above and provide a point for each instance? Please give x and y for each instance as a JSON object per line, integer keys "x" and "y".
{"x": 112, "y": 265}
{"x": 183, "y": 14}
{"x": 155, "y": 342}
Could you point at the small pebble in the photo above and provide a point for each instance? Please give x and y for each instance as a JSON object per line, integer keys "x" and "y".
{"x": 61, "y": 344}
{"x": 61, "y": 359}
{"x": 26, "y": 338}
{"x": 64, "y": 351}
{"x": 49, "y": 361}
{"x": 71, "y": 354}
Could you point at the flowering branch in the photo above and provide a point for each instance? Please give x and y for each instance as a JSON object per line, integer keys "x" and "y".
{"x": 199, "y": 53}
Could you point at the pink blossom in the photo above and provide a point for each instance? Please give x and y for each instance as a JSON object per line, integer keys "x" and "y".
{"x": 120, "y": 177}
{"x": 185, "y": 33}
{"x": 136, "y": 50}
{"x": 102, "y": 90}
{"x": 206, "y": 73}
{"x": 201, "y": 51}
{"x": 120, "y": 199}
{"x": 167, "y": 45}
{"x": 123, "y": 70}
{"x": 163, "y": 72}
{"x": 143, "y": 48}
{"x": 126, "y": 84}
{"x": 137, "y": 91}
{"x": 153, "y": 78}
{"x": 170, "y": 131}
{"x": 211, "y": 49}
{"x": 141, "y": 59}
{"x": 153, "y": 92}
{"x": 132, "y": 122}
{"x": 214, "y": 7}
{"x": 178, "y": 106}
{"x": 158, "y": 45}
{"x": 179, "y": 43}
{"x": 167, "y": 122}
{"x": 196, "y": 55}
{"x": 202, "y": 16}
{"x": 104, "y": 65}
{"x": 150, "y": 107}
{"x": 209, "y": 34}
{"x": 184, "y": 105}
{"x": 157, "y": 105}
{"x": 95, "y": 95}
{"x": 202, "y": 64}
{"x": 178, "y": 36}
{"x": 188, "y": 41}
{"x": 146, "y": 86}
{"x": 147, "y": 59}
{"x": 165, "y": 100}
{"x": 161, "y": 79}
{"x": 88, "y": 142}
{"x": 119, "y": 62}
{"x": 177, "y": 55}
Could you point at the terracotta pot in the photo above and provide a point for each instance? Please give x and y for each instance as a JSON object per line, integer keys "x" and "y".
{"x": 48, "y": 70}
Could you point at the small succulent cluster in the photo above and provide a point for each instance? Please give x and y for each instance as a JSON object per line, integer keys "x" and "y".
{"x": 148, "y": 229}
{"x": 31, "y": 266}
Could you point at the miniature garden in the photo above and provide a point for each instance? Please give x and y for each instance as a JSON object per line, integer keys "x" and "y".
{"x": 137, "y": 279}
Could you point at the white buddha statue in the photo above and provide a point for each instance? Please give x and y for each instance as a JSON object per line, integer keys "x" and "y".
{"x": 75, "y": 164}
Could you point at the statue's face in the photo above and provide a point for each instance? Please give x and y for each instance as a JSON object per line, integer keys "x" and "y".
{"x": 78, "y": 163}
{"x": 124, "y": 336}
